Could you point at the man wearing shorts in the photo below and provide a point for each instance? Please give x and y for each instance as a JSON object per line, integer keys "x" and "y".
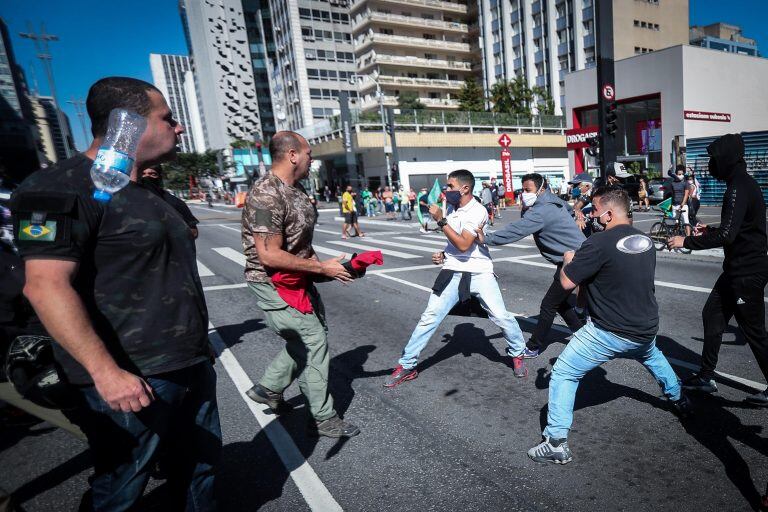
{"x": 349, "y": 210}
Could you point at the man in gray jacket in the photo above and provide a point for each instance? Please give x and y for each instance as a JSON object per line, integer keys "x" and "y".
{"x": 549, "y": 220}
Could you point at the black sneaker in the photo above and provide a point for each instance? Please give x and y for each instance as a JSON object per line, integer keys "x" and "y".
{"x": 758, "y": 398}
{"x": 274, "y": 401}
{"x": 555, "y": 451}
{"x": 683, "y": 407}
{"x": 698, "y": 383}
{"x": 333, "y": 427}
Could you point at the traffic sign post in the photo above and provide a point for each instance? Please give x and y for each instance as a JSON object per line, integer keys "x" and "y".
{"x": 606, "y": 88}
{"x": 506, "y": 173}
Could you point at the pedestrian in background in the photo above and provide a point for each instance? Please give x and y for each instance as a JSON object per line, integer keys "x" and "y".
{"x": 277, "y": 237}
{"x": 486, "y": 198}
{"x": 424, "y": 209}
{"x": 389, "y": 205}
{"x": 349, "y": 210}
{"x": 412, "y": 199}
{"x": 405, "y": 205}
{"x": 368, "y": 202}
{"x": 642, "y": 194}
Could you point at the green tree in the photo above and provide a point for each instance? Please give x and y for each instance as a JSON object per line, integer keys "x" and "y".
{"x": 410, "y": 101}
{"x": 512, "y": 97}
{"x": 471, "y": 96}
{"x": 501, "y": 97}
{"x": 545, "y": 104}
{"x": 199, "y": 165}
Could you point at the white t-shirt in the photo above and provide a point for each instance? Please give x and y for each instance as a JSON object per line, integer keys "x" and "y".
{"x": 476, "y": 259}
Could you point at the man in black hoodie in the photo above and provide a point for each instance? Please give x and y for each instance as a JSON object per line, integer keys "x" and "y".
{"x": 739, "y": 289}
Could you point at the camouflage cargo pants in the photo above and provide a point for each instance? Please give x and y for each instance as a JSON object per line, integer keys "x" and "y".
{"x": 305, "y": 355}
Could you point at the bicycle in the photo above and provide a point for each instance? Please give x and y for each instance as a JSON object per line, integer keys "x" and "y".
{"x": 662, "y": 231}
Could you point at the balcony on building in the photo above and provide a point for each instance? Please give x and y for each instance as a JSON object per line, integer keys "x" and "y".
{"x": 562, "y": 23}
{"x": 516, "y": 39}
{"x": 369, "y": 39}
{"x": 586, "y": 14}
{"x": 538, "y": 56}
{"x": 365, "y": 62}
{"x": 538, "y": 31}
{"x": 364, "y": 19}
{"x": 536, "y": 7}
{"x": 589, "y": 41}
{"x": 541, "y": 81}
{"x": 437, "y": 5}
{"x": 406, "y": 82}
{"x": 514, "y": 16}
{"x": 517, "y": 63}
{"x": 562, "y": 49}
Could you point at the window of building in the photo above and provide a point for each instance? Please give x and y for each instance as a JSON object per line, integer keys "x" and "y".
{"x": 428, "y": 36}
{"x": 387, "y": 31}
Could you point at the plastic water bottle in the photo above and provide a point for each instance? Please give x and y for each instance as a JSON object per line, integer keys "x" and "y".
{"x": 111, "y": 169}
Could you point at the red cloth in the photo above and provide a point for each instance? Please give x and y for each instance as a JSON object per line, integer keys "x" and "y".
{"x": 364, "y": 259}
{"x": 292, "y": 288}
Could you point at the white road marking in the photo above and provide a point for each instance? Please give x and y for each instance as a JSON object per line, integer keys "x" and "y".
{"x": 389, "y": 223}
{"x": 363, "y": 247}
{"x": 411, "y": 246}
{"x": 311, "y": 487}
{"x": 231, "y": 254}
{"x": 676, "y": 362}
{"x": 224, "y": 287}
{"x": 327, "y": 250}
{"x": 203, "y": 271}
{"x": 230, "y": 228}
{"x": 432, "y": 242}
{"x": 213, "y": 210}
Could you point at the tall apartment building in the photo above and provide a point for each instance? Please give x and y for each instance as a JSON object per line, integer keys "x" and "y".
{"x": 543, "y": 40}
{"x": 221, "y": 63}
{"x": 169, "y": 74}
{"x": 53, "y": 136}
{"x": 19, "y": 140}
{"x": 724, "y": 37}
{"x": 421, "y": 46}
{"x": 314, "y": 60}
{"x": 258, "y": 25}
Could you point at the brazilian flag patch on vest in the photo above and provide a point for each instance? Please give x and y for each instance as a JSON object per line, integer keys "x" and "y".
{"x": 37, "y": 232}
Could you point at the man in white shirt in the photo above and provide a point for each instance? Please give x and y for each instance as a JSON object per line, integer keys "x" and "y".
{"x": 467, "y": 271}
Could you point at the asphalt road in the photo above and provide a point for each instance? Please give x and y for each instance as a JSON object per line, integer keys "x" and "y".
{"x": 456, "y": 437}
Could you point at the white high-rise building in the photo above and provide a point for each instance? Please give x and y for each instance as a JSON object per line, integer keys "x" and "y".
{"x": 542, "y": 40}
{"x": 221, "y": 63}
{"x": 170, "y": 74}
{"x": 314, "y": 60}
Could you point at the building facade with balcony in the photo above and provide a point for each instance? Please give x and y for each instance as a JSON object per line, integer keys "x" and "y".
{"x": 416, "y": 47}
{"x": 314, "y": 60}
{"x": 543, "y": 40}
{"x": 56, "y": 139}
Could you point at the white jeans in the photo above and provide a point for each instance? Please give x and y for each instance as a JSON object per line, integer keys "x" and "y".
{"x": 683, "y": 211}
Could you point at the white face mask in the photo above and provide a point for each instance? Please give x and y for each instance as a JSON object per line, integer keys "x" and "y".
{"x": 529, "y": 198}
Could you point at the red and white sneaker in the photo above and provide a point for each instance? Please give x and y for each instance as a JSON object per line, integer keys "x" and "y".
{"x": 400, "y": 375}
{"x": 518, "y": 366}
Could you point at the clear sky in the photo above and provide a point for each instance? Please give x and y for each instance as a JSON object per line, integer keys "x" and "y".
{"x": 115, "y": 37}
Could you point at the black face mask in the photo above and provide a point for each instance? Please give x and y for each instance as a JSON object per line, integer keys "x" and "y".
{"x": 152, "y": 182}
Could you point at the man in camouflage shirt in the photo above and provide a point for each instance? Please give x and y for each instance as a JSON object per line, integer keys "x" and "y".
{"x": 116, "y": 286}
{"x": 278, "y": 224}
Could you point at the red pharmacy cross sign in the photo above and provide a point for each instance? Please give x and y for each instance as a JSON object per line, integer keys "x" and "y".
{"x": 504, "y": 140}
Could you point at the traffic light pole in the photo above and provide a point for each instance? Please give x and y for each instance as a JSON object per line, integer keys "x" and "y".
{"x": 606, "y": 84}
{"x": 393, "y": 166}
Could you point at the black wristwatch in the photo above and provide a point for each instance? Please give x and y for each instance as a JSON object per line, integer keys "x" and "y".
{"x": 442, "y": 222}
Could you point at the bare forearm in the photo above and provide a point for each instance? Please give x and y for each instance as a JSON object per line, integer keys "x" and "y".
{"x": 287, "y": 262}
{"x": 456, "y": 239}
{"x": 62, "y": 312}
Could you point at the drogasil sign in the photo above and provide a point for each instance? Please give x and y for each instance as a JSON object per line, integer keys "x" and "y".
{"x": 576, "y": 138}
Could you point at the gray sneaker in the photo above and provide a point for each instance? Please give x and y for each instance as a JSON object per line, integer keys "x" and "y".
{"x": 274, "y": 401}
{"x": 548, "y": 452}
{"x": 333, "y": 427}
{"x": 698, "y": 383}
{"x": 759, "y": 398}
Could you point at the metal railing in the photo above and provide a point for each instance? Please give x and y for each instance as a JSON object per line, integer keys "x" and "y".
{"x": 435, "y": 83}
{"x": 409, "y": 20}
{"x": 378, "y": 58}
{"x": 435, "y": 4}
{"x": 449, "y": 121}
{"x": 418, "y": 42}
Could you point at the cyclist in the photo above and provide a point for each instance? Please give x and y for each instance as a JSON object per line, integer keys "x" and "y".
{"x": 681, "y": 192}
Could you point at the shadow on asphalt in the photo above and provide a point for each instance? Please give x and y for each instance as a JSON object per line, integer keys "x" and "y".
{"x": 233, "y": 334}
{"x": 257, "y": 463}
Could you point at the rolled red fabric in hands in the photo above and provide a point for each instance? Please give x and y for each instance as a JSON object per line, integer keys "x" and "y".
{"x": 365, "y": 259}
{"x": 292, "y": 288}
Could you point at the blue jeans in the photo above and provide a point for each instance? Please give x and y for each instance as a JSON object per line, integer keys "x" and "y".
{"x": 487, "y": 289}
{"x": 589, "y": 348}
{"x": 370, "y": 209}
{"x": 180, "y": 428}
{"x": 405, "y": 209}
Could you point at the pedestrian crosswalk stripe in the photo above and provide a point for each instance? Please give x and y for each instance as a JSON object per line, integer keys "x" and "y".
{"x": 388, "y": 223}
{"x": 364, "y": 247}
{"x": 326, "y": 250}
{"x": 231, "y": 254}
{"x": 202, "y": 270}
{"x": 431, "y": 242}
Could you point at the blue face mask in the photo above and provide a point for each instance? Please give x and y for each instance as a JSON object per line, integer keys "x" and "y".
{"x": 453, "y": 197}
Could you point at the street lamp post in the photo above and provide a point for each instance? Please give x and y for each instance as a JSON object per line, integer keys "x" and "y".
{"x": 383, "y": 130}
{"x": 41, "y": 46}
{"x": 79, "y": 108}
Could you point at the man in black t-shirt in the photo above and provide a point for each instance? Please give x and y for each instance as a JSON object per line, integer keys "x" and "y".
{"x": 616, "y": 267}
{"x": 116, "y": 286}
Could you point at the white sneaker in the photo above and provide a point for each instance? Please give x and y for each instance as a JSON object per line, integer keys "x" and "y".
{"x": 422, "y": 230}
